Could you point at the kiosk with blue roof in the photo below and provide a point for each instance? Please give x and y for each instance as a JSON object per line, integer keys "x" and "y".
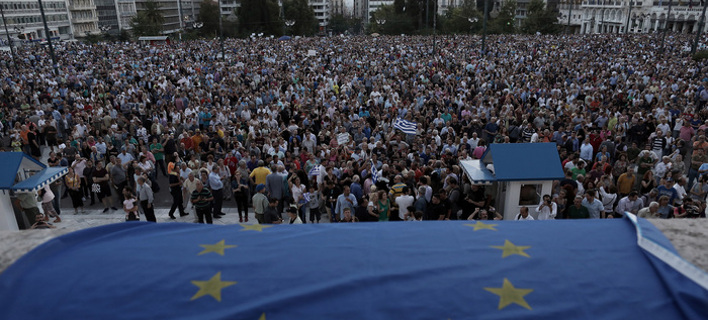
{"x": 20, "y": 173}
{"x": 521, "y": 173}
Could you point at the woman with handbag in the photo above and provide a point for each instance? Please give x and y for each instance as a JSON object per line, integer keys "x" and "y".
{"x": 73, "y": 182}
{"x": 239, "y": 185}
{"x": 101, "y": 186}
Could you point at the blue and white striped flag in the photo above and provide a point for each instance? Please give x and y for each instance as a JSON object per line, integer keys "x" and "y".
{"x": 307, "y": 196}
{"x": 405, "y": 126}
{"x": 374, "y": 172}
{"x": 315, "y": 171}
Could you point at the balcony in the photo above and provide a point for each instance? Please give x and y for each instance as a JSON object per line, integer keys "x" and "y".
{"x": 81, "y": 6}
{"x": 84, "y": 19}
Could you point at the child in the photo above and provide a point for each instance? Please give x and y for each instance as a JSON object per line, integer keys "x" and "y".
{"x": 130, "y": 207}
{"x": 314, "y": 203}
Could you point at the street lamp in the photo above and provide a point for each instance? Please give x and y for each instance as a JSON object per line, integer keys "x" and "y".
{"x": 472, "y": 21}
{"x": 629, "y": 16}
{"x": 570, "y": 4}
{"x": 9, "y": 40}
{"x": 49, "y": 38}
{"x": 666, "y": 24}
{"x": 700, "y": 28}
{"x": 380, "y": 22}
{"x": 484, "y": 27}
{"x": 290, "y": 23}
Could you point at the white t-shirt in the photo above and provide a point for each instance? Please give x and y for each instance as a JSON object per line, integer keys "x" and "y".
{"x": 403, "y": 203}
{"x": 129, "y": 203}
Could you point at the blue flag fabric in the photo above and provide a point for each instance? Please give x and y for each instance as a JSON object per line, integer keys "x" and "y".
{"x": 315, "y": 171}
{"x": 406, "y": 126}
{"x": 374, "y": 172}
{"x": 597, "y": 269}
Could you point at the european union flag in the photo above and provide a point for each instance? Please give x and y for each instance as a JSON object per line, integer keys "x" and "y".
{"x": 602, "y": 269}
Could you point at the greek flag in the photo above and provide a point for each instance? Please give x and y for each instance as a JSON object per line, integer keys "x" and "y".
{"x": 406, "y": 126}
{"x": 307, "y": 196}
{"x": 315, "y": 171}
{"x": 374, "y": 172}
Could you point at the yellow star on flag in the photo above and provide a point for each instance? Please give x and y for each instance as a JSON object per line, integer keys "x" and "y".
{"x": 262, "y": 317}
{"x": 510, "y": 248}
{"x": 254, "y": 227}
{"x": 216, "y": 248}
{"x": 508, "y": 295}
{"x": 211, "y": 287}
{"x": 481, "y": 225}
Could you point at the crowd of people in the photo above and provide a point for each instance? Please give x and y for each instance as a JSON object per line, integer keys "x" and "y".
{"x": 306, "y": 126}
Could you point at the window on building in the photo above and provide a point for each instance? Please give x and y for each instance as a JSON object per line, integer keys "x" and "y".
{"x": 530, "y": 194}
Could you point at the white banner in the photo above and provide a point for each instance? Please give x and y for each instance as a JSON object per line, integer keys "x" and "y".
{"x": 342, "y": 138}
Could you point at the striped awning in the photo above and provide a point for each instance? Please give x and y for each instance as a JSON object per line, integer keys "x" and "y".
{"x": 40, "y": 179}
{"x": 477, "y": 172}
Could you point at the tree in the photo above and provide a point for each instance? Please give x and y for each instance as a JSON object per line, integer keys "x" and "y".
{"x": 302, "y": 14}
{"x": 456, "y": 20}
{"x": 124, "y": 36}
{"x": 208, "y": 15}
{"x": 338, "y": 23}
{"x": 504, "y": 21}
{"x": 148, "y": 22}
{"x": 541, "y": 19}
{"x": 421, "y": 18}
{"x": 396, "y": 23}
{"x": 256, "y": 16}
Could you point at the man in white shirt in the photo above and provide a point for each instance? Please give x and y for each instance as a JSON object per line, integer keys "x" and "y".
{"x": 631, "y": 203}
{"x": 680, "y": 189}
{"x": 524, "y": 214}
{"x": 404, "y": 201}
{"x": 547, "y": 210}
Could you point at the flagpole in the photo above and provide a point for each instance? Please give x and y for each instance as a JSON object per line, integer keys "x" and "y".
{"x": 700, "y": 28}
{"x": 629, "y": 15}
{"x": 666, "y": 23}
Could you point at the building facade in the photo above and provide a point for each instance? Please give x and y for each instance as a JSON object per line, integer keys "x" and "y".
{"x": 126, "y": 11}
{"x": 613, "y": 16}
{"x": 361, "y": 10}
{"x": 84, "y": 17}
{"x": 175, "y": 12}
{"x": 322, "y": 11}
{"x": 108, "y": 15}
{"x": 24, "y": 20}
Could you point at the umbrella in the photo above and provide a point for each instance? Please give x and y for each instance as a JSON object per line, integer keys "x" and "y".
{"x": 375, "y": 34}
{"x": 283, "y": 38}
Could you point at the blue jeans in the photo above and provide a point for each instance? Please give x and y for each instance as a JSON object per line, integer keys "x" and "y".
{"x": 692, "y": 175}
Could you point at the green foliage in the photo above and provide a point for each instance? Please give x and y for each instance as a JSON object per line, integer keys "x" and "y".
{"x": 303, "y": 15}
{"x": 700, "y": 55}
{"x": 148, "y": 22}
{"x": 456, "y": 20}
{"x": 338, "y": 23}
{"x": 396, "y": 23}
{"x": 421, "y": 18}
{"x": 92, "y": 38}
{"x": 124, "y": 36}
{"x": 504, "y": 22}
{"x": 209, "y": 16}
{"x": 256, "y": 16}
{"x": 541, "y": 19}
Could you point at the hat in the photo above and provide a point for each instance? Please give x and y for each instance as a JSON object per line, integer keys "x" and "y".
{"x": 260, "y": 187}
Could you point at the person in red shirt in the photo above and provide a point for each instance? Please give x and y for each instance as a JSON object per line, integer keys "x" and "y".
{"x": 232, "y": 162}
{"x": 187, "y": 141}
